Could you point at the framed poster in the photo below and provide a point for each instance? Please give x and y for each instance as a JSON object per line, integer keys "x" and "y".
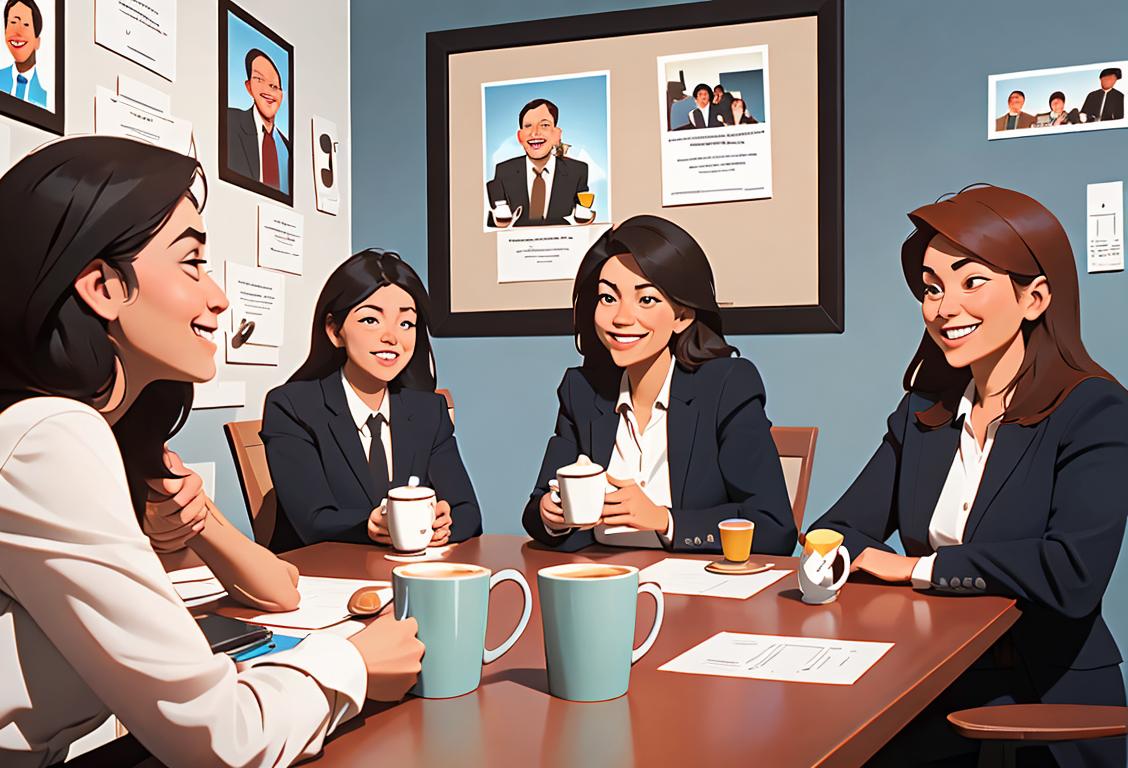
{"x": 722, "y": 117}
{"x": 31, "y": 68}
{"x": 256, "y": 105}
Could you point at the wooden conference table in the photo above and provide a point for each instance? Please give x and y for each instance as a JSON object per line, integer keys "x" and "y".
{"x": 670, "y": 718}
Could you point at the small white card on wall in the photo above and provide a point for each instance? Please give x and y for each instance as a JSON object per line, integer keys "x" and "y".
{"x": 1105, "y": 226}
{"x": 257, "y": 306}
{"x": 116, "y": 115}
{"x": 143, "y": 31}
{"x": 326, "y": 171}
{"x": 280, "y": 238}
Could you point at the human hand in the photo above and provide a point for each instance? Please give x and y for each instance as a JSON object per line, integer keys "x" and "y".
{"x": 442, "y": 524}
{"x": 391, "y": 654}
{"x": 886, "y": 566}
{"x": 264, "y": 581}
{"x": 551, "y": 511}
{"x": 629, "y": 505}
{"x": 378, "y": 524}
{"x": 176, "y": 509}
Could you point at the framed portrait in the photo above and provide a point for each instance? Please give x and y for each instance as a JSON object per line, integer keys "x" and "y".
{"x": 724, "y": 117}
{"x": 1051, "y": 102}
{"x": 31, "y": 68}
{"x": 256, "y": 105}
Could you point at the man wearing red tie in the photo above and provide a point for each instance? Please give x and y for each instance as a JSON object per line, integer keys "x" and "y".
{"x": 256, "y": 147}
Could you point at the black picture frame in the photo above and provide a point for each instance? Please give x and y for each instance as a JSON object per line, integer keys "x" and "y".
{"x": 826, "y": 316}
{"x": 226, "y": 173}
{"x": 32, "y": 114}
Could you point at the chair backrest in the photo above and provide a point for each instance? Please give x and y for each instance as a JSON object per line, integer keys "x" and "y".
{"x": 254, "y": 476}
{"x": 796, "y": 447}
{"x": 450, "y": 401}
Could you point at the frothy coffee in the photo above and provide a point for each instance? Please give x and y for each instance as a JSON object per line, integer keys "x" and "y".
{"x": 593, "y": 572}
{"x": 440, "y": 570}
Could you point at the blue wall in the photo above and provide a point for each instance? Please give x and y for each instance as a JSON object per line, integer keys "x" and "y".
{"x": 915, "y": 95}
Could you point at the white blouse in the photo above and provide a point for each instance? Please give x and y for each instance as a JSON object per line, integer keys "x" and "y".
{"x": 90, "y": 624}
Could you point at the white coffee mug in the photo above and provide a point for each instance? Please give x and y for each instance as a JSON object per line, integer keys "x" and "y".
{"x": 824, "y": 566}
{"x": 582, "y": 488}
{"x": 411, "y": 516}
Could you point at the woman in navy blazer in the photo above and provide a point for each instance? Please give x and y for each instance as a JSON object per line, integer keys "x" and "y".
{"x": 648, "y": 326}
{"x": 369, "y": 374}
{"x": 1003, "y": 468}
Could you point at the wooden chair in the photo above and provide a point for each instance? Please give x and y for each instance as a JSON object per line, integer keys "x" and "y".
{"x": 254, "y": 476}
{"x": 1004, "y": 728}
{"x": 796, "y": 447}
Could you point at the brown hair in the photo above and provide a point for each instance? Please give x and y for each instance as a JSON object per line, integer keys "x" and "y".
{"x": 672, "y": 260}
{"x": 1012, "y": 233}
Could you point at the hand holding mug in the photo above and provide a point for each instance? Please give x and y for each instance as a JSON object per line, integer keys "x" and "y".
{"x": 629, "y": 505}
{"x": 551, "y": 510}
{"x": 378, "y": 524}
{"x": 441, "y": 525}
{"x": 392, "y": 656}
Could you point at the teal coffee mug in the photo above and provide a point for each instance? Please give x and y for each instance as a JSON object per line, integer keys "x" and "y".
{"x": 451, "y": 602}
{"x": 588, "y": 610}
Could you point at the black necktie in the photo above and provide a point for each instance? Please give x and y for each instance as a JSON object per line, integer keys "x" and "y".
{"x": 377, "y": 462}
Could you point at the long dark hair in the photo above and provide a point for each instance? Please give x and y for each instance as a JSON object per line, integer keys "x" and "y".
{"x": 1013, "y": 233}
{"x": 361, "y": 275}
{"x": 62, "y": 207}
{"x": 672, "y": 260}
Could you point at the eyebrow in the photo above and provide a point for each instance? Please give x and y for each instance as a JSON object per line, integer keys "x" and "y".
{"x": 614, "y": 287}
{"x": 640, "y": 286}
{"x": 192, "y": 232}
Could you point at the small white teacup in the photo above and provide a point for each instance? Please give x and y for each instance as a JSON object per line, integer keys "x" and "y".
{"x": 824, "y": 566}
{"x": 411, "y": 516}
{"x": 582, "y": 487}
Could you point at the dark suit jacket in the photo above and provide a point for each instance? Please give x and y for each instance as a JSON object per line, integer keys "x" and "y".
{"x": 1045, "y": 527}
{"x": 510, "y": 180}
{"x": 321, "y": 476}
{"x": 723, "y": 462}
{"x": 243, "y": 143}
{"x": 1113, "y": 105}
{"x": 744, "y": 120}
{"x": 715, "y": 117}
{"x": 1025, "y": 120}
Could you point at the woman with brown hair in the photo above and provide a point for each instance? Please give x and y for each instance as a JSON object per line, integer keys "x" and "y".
{"x": 662, "y": 404}
{"x": 1003, "y": 468}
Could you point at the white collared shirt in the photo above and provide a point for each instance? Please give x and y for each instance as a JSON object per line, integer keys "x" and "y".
{"x": 30, "y": 75}
{"x": 641, "y": 455}
{"x": 1100, "y": 112}
{"x": 360, "y": 415}
{"x": 957, "y": 497}
{"x": 548, "y": 174}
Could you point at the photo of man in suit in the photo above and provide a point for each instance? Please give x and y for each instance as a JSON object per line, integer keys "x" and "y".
{"x": 1015, "y": 118}
{"x": 1105, "y": 103}
{"x": 256, "y": 147}
{"x": 23, "y": 24}
{"x": 706, "y": 114}
{"x": 542, "y": 183}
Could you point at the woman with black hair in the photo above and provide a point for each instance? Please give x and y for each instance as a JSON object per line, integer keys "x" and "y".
{"x": 660, "y": 402}
{"x": 106, "y": 321}
{"x": 361, "y": 416}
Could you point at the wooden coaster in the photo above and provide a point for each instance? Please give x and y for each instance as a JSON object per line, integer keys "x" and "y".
{"x": 737, "y": 569}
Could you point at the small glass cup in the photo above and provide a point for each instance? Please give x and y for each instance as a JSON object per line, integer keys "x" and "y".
{"x": 736, "y": 539}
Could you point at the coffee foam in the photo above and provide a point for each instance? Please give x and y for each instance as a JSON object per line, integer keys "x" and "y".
{"x": 588, "y": 571}
{"x": 440, "y": 570}
{"x": 735, "y": 525}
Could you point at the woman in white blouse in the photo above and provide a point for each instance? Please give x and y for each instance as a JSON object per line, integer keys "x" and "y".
{"x": 107, "y": 319}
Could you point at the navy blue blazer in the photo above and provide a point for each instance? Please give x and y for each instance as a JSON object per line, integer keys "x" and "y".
{"x": 324, "y": 487}
{"x": 1045, "y": 527}
{"x": 723, "y": 461}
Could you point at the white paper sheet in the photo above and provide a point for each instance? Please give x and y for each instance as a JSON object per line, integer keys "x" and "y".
{"x": 1105, "y": 206}
{"x": 526, "y": 254}
{"x": 220, "y": 394}
{"x": 681, "y": 576}
{"x": 196, "y": 586}
{"x": 324, "y": 602}
{"x": 280, "y": 238}
{"x": 256, "y": 296}
{"x": 143, "y": 31}
{"x": 326, "y": 171}
{"x": 117, "y": 116}
{"x": 777, "y": 657}
{"x": 249, "y": 354}
{"x": 141, "y": 95}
